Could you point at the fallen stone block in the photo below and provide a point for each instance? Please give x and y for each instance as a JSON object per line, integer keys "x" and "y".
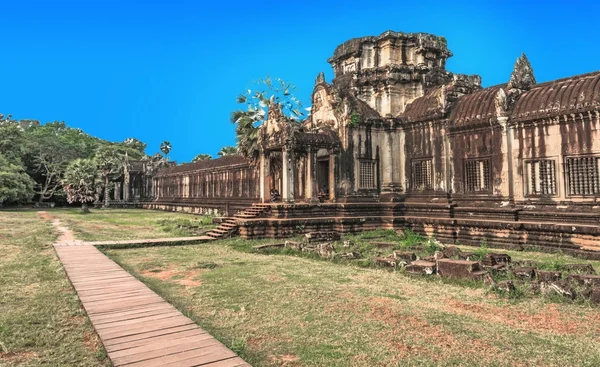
{"x": 348, "y": 243}
{"x": 268, "y": 246}
{"x": 580, "y": 268}
{"x": 460, "y": 269}
{"x": 524, "y": 272}
{"x": 491, "y": 259}
{"x": 405, "y": 257}
{"x": 585, "y": 279}
{"x": 561, "y": 287}
{"x": 322, "y": 236}
{"x": 421, "y": 267}
{"x": 217, "y": 220}
{"x": 293, "y": 245}
{"x": 452, "y": 251}
{"x": 548, "y": 276}
{"x": 325, "y": 250}
{"x": 388, "y": 262}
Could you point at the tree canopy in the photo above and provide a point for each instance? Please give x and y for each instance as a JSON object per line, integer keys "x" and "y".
{"x": 80, "y": 181}
{"x": 255, "y": 111}
{"x": 44, "y": 151}
{"x": 202, "y": 157}
{"x": 227, "y": 150}
{"x": 15, "y": 183}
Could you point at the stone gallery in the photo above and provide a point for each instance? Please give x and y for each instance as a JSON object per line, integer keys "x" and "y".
{"x": 395, "y": 140}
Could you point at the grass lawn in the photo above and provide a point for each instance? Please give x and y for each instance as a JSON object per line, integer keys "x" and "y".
{"x": 128, "y": 224}
{"x": 41, "y": 319}
{"x": 287, "y": 310}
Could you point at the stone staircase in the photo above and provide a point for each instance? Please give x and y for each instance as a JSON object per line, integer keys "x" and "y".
{"x": 229, "y": 227}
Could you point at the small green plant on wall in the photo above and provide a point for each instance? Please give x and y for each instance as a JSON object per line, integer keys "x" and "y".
{"x": 354, "y": 119}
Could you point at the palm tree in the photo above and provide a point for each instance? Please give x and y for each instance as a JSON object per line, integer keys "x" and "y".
{"x": 270, "y": 94}
{"x": 247, "y": 133}
{"x": 202, "y": 157}
{"x": 227, "y": 150}
{"x": 165, "y": 147}
{"x": 80, "y": 182}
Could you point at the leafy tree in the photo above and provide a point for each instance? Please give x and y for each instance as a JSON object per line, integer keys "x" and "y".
{"x": 227, "y": 150}
{"x": 110, "y": 163}
{"x": 202, "y": 157}
{"x": 12, "y": 140}
{"x": 255, "y": 112}
{"x": 15, "y": 183}
{"x": 80, "y": 182}
{"x": 49, "y": 149}
{"x": 165, "y": 147}
{"x": 134, "y": 144}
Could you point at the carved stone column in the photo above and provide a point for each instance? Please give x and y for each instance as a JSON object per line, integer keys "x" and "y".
{"x": 311, "y": 177}
{"x": 126, "y": 187}
{"x": 264, "y": 172}
{"x": 332, "y": 177}
{"x": 508, "y": 182}
{"x": 117, "y": 192}
{"x": 287, "y": 175}
{"x": 389, "y": 188}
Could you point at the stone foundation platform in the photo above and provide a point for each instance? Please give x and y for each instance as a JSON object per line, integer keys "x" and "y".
{"x": 511, "y": 228}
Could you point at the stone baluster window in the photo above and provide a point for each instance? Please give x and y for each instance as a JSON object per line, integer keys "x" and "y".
{"x": 583, "y": 175}
{"x": 477, "y": 175}
{"x": 422, "y": 174}
{"x": 366, "y": 174}
{"x": 540, "y": 177}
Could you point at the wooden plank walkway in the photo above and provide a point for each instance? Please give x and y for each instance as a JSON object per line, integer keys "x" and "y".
{"x": 136, "y": 326}
{"x": 149, "y": 241}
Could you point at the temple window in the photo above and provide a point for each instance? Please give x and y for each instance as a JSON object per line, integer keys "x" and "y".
{"x": 540, "y": 177}
{"x": 583, "y": 175}
{"x": 477, "y": 175}
{"x": 422, "y": 174}
{"x": 366, "y": 174}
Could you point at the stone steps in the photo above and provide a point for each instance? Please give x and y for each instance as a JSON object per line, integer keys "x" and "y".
{"x": 229, "y": 227}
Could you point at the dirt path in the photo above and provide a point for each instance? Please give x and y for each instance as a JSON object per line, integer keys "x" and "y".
{"x": 65, "y": 233}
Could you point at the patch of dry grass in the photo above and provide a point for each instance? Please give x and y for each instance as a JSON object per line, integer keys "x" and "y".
{"x": 124, "y": 224}
{"x": 284, "y": 310}
{"x": 41, "y": 319}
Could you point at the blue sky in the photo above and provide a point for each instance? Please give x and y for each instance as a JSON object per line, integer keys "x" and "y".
{"x": 171, "y": 70}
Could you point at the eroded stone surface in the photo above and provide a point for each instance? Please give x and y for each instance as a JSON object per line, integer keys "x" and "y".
{"x": 421, "y": 267}
{"x": 460, "y": 269}
{"x": 524, "y": 272}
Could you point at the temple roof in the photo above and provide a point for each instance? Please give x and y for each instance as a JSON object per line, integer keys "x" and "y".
{"x": 425, "y": 108}
{"x": 475, "y": 108}
{"x": 228, "y": 160}
{"x": 563, "y": 96}
{"x": 353, "y": 46}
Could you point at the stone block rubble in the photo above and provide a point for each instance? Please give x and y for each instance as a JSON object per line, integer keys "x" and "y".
{"x": 452, "y": 263}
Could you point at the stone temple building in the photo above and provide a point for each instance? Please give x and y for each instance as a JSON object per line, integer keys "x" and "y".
{"x": 395, "y": 140}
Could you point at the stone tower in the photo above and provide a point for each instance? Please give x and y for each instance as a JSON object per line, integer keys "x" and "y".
{"x": 391, "y": 70}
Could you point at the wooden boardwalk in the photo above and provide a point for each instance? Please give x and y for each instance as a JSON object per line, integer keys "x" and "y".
{"x": 136, "y": 326}
{"x": 150, "y": 241}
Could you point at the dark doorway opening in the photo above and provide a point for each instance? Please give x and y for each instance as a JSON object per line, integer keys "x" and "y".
{"x": 323, "y": 178}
